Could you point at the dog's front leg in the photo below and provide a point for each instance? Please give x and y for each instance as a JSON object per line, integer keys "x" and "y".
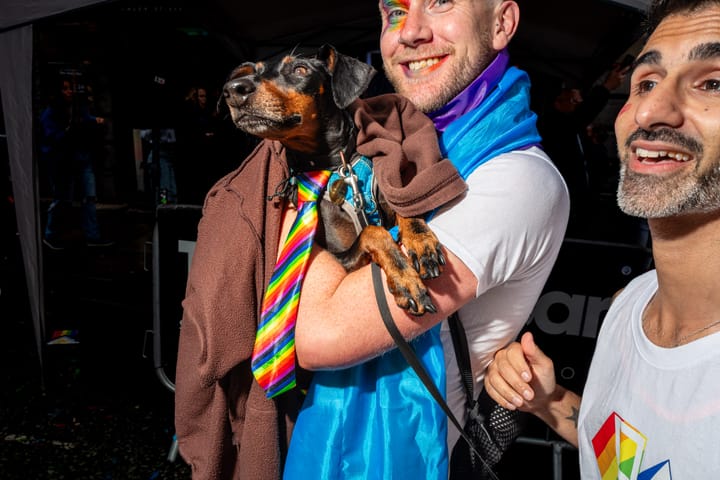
{"x": 375, "y": 244}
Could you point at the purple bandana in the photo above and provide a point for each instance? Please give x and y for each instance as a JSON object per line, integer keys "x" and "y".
{"x": 473, "y": 94}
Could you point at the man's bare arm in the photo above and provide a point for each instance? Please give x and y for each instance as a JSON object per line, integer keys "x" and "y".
{"x": 339, "y": 323}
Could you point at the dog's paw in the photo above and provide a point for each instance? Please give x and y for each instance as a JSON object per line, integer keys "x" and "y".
{"x": 422, "y": 246}
{"x": 429, "y": 261}
{"x": 402, "y": 271}
{"x": 409, "y": 290}
{"x": 417, "y": 303}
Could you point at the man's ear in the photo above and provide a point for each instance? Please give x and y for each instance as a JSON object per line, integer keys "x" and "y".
{"x": 350, "y": 77}
{"x": 507, "y": 18}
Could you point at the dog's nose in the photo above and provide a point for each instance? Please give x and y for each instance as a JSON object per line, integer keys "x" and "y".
{"x": 239, "y": 87}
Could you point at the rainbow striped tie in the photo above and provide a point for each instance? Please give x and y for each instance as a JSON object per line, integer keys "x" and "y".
{"x": 273, "y": 359}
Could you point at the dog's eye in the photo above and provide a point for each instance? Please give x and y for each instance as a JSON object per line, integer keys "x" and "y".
{"x": 301, "y": 70}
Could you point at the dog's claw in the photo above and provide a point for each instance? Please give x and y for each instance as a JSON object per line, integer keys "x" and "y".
{"x": 429, "y": 307}
{"x": 412, "y": 306}
{"x": 431, "y": 268}
{"x": 429, "y": 263}
{"x": 413, "y": 298}
{"x": 434, "y": 268}
{"x": 408, "y": 296}
{"x": 415, "y": 261}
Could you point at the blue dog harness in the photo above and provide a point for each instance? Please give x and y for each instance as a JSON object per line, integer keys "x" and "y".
{"x": 361, "y": 197}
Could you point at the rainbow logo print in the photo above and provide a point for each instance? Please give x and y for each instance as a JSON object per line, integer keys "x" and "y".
{"x": 619, "y": 449}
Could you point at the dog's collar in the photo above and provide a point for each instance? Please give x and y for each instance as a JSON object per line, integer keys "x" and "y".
{"x": 287, "y": 188}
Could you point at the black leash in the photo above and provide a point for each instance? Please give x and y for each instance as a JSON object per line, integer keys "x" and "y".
{"x": 462, "y": 355}
{"x": 412, "y": 359}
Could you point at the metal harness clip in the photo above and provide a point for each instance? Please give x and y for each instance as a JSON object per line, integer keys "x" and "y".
{"x": 348, "y": 175}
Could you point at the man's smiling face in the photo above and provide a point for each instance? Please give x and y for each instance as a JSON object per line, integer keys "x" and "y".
{"x": 668, "y": 133}
{"x": 433, "y": 49}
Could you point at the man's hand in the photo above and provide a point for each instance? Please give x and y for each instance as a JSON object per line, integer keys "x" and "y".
{"x": 521, "y": 376}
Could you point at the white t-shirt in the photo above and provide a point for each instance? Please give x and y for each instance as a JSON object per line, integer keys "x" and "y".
{"x": 655, "y": 411}
{"x": 508, "y": 230}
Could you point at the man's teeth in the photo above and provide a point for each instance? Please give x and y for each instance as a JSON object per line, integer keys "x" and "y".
{"x": 681, "y": 157}
{"x": 417, "y": 65}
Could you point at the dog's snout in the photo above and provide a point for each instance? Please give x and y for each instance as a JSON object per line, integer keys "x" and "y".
{"x": 239, "y": 86}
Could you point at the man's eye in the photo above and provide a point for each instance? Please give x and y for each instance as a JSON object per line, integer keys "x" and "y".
{"x": 441, "y": 5}
{"x": 644, "y": 86}
{"x": 713, "y": 85}
{"x": 395, "y": 16}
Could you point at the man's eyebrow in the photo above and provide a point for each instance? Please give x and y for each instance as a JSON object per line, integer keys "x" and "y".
{"x": 705, "y": 51}
{"x": 651, "y": 57}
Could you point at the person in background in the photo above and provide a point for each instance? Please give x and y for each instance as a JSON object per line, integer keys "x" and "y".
{"x": 601, "y": 164}
{"x": 160, "y": 163}
{"x": 563, "y": 127}
{"x": 649, "y": 408}
{"x": 67, "y": 139}
{"x": 199, "y": 163}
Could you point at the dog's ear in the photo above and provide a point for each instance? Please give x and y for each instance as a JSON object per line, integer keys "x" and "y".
{"x": 350, "y": 77}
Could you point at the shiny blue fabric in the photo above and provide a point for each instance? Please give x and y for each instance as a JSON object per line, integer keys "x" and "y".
{"x": 503, "y": 122}
{"x": 373, "y": 421}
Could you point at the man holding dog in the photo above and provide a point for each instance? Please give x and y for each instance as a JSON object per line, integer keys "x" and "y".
{"x": 650, "y": 405}
{"x": 500, "y": 240}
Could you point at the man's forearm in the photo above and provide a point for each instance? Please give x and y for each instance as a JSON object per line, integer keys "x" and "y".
{"x": 561, "y": 414}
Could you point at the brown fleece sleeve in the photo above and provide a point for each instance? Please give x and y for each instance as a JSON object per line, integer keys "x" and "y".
{"x": 226, "y": 427}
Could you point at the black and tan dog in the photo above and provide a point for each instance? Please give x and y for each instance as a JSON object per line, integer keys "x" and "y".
{"x": 301, "y": 102}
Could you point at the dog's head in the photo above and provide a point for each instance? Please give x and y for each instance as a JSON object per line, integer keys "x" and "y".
{"x": 295, "y": 99}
